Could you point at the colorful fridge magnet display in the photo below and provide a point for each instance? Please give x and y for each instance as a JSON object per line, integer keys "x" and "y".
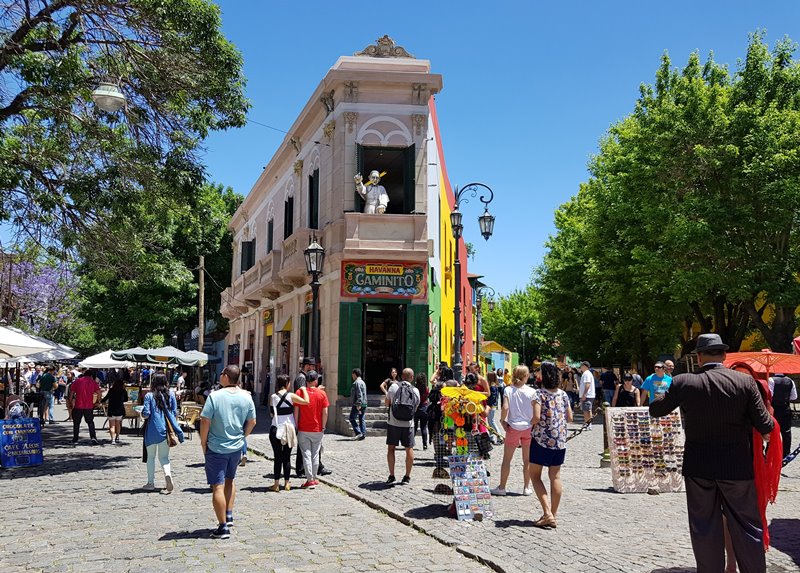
{"x": 471, "y": 496}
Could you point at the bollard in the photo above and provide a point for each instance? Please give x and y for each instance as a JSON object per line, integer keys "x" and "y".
{"x": 605, "y": 459}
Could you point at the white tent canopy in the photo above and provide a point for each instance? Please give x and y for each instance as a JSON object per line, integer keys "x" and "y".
{"x": 104, "y": 360}
{"x": 15, "y": 343}
{"x": 163, "y": 355}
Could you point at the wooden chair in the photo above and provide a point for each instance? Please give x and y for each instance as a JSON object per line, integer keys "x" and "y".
{"x": 187, "y": 419}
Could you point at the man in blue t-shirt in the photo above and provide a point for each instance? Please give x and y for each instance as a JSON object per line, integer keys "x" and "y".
{"x": 656, "y": 384}
{"x": 228, "y": 417}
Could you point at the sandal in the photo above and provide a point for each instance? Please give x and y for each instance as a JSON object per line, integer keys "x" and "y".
{"x": 545, "y": 523}
{"x": 275, "y": 488}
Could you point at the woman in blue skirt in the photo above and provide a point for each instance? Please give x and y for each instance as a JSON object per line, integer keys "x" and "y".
{"x": 551, "y": 412}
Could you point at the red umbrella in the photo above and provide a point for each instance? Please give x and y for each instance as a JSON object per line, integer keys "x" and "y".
{"x": 766, "y": 362}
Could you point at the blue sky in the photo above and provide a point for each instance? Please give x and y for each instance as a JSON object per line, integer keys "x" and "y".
{"x": 529, "y": 88}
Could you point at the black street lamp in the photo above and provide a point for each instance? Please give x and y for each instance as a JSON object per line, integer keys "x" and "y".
{"x": 486, "y": 222}
{"x": 315, "y": 259}
{"x": 525, "y": 331}
{"x": 481, "y": 292}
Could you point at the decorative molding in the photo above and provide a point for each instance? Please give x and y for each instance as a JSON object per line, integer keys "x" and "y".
{"x": 298, "y": 167}
{"x": 351, "y": 92}
{"x": 295, "y": 142}
{"x": 419, "y": 93}
{"x": 327, "y": 101}
{"x": 419, "y": 120}
{"x": 384, "y": 48}
{"x": 350, "y": 119}
{"x": 328, "y": 129}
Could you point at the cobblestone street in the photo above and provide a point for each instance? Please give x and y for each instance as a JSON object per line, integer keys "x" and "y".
{"x": 83, "y": 511}
{"x": 595, "y": 522}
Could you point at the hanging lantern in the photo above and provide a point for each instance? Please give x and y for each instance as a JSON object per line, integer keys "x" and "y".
{"x": 108, "y": 97}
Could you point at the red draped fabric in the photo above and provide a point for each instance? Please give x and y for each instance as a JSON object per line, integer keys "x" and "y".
{"x": 767, "y": 470}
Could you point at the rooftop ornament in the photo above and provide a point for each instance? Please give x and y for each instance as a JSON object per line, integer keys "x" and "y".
{"x": 384, "y": 48}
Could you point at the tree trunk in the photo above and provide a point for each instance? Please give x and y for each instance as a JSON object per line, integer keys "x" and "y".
{"x": 779, "y": 334}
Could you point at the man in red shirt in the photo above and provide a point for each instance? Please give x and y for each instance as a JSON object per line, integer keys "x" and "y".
{"x": 85, "y": 392}
{"x": 311, "y": 426}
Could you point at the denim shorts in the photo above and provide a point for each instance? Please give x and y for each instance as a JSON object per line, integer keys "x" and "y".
{"x": 221, "y": 467}
{"x": 587, "y": 404}
{"x": 545, "y": 456}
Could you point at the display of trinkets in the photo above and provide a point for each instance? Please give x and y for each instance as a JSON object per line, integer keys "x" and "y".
{"x": 471, "y": 495}
{"x": 646, "y": 453}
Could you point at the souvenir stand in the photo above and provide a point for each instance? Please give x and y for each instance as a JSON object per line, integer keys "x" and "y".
{"x": 646, "y": 452}
{"x": 462, "y": 446}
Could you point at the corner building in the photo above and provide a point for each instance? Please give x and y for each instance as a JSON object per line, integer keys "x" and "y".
{"x": 386, "y": 296}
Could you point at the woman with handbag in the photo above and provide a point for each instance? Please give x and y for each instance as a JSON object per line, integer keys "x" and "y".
{"x": 283, "y": 432}
{"x": 161, "y": 430}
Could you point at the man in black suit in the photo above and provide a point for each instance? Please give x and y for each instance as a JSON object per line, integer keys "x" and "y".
{"x": 720, "y": 407}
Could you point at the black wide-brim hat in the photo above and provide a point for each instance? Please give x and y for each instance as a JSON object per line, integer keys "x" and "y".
{"x": 710, "y": 341}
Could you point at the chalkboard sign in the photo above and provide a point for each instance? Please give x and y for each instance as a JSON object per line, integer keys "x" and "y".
{"x": 20, "y": 442}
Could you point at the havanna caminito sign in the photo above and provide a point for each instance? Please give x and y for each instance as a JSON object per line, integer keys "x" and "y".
{"x": 374, "y": 279}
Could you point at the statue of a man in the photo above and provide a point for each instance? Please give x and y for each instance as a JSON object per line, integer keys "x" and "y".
{"x": 374, "y": 195}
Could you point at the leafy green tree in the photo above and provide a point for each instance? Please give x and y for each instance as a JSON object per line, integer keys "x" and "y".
{"x": 156, "y": 294}
{"x": 690, "y": 214}
{"x": 516, "y": 316}
{"x": 64, "y": 163}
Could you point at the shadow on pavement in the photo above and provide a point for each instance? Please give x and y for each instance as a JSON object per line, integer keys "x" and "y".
{"x": 675, "y": 570}
{"x": 197, "y": 465}
{"x": 602, "y": 489}
{"x": 133, "y": 491}
{"x": 197, "y": 489}
{"x": 431, "y": 511}
{"x": 259, "y": 489}
{"x": 204, "y": 533}
{"x": 503, "y": 523}
{"x": 63, "y": 463}
{"x": 783, "y": 536}
{"x": 376, "y": 485}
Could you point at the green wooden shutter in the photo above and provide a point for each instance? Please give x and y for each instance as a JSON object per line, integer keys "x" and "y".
{"x": 417, "y": 338}
{"x": 360, "y": 169}
{"x": 409, "y": 181}
{"x": 351, "y": 343}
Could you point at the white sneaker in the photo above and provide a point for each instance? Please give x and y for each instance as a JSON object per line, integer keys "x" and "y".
{"x": 170, "y": 485}
{"x": 149, "y": 487}
{"x": 528, "y": 491}
{"x": 497, "y": 491}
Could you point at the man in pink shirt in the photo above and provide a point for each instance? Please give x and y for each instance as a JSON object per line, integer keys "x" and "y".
{"x": 85, "y": 392}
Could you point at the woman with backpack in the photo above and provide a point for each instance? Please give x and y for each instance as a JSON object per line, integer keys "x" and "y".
{"x": 283, "y": 431}
{"x": 160, "y": 413}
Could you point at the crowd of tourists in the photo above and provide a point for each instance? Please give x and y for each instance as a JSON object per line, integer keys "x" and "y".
{"x": 727, "y": 415}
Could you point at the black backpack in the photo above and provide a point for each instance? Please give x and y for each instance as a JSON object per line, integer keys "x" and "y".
{"x": 404, "y": 403}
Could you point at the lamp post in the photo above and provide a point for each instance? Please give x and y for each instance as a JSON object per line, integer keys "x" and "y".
{"x": 486, "y": 222}
{"x": 524, "y": 331}
{"x": 489, "y": 293}
{"x": 315, "y": 259}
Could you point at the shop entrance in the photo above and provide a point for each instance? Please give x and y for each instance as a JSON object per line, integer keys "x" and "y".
{"x": 384, "y": 342}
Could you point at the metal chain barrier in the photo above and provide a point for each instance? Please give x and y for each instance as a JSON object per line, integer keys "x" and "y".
{"x": 790, "y": 457}
{"x": 586, "y": 424}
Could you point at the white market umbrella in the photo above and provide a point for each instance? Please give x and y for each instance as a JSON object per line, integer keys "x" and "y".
{"x": 14, "y": 343}
{"x": 200, "y": 357}
{"x": 135, "y": 354}
{"x": 104, "y": 360}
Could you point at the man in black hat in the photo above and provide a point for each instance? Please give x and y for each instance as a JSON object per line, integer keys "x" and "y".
{"x": 720, "y": 408}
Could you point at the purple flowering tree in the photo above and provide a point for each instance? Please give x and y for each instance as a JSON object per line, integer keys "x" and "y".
{"x": 39, "y": 296}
